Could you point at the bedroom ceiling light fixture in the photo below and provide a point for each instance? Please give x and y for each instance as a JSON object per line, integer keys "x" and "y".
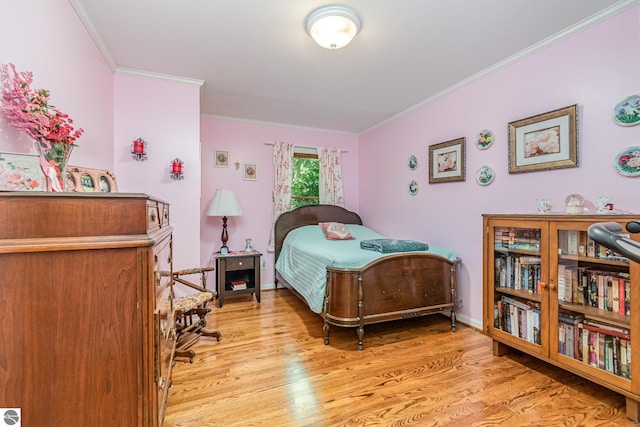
{"x": 224, "y": 204}
{"x": 334, "y": 26}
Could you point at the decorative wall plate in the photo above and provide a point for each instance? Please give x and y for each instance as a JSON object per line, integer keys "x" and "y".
{"x": 627, "y": 161}
{"x": 484, "y": 139}
{"x": 413, "y": 162}
{"x": 413, "y": 187}
{"x": 627, "y": 111}
{"x": 485, "y": 175}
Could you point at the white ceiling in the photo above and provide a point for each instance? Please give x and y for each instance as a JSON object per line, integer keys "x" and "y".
{"x": 258, "y": 63}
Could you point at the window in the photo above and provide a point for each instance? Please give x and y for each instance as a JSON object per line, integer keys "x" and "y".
{"x": 305, "y": 188}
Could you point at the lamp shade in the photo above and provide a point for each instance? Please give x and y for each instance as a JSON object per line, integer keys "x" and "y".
{"x": 224, "y": 203}
{"x": 333, "y": 27}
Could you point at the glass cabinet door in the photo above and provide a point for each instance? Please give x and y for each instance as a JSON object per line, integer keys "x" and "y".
{"x": 519, "y": 291}
{"x": 590, "y": 326}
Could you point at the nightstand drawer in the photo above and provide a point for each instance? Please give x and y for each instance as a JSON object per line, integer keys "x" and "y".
{"x": 240, "y": 263}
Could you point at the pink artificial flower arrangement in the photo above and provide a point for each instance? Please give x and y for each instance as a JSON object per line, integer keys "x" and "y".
{"x": 28, "y": 110}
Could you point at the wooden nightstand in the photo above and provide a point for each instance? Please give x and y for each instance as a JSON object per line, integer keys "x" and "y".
{"x": 234, "y": 269}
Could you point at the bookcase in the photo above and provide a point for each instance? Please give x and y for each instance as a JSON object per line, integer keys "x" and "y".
{"x": 555, "y": 294}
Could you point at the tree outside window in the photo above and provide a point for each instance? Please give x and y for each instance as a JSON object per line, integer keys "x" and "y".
{"x": 305, "y": 189}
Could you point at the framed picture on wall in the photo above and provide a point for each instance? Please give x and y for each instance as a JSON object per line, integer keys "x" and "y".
{"x": 21, "y": 172}
{"x": 543, "y": 142}
{"x": 250, "y": 171}
{"x": 221, "y": 158}
{"x": 447, "y": 162}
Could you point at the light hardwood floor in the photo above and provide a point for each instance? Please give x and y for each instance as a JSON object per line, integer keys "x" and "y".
{"x": 271, "y": 368}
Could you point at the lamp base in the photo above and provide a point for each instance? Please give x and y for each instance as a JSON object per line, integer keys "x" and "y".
{"x": 224, "y": 237}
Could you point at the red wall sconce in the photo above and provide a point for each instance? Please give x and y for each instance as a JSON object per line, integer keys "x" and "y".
{"x": 139, "y": 150}
{"x": 176, "y": 169}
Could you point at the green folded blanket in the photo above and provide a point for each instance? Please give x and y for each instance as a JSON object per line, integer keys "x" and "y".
{"x": 393, "y": 245}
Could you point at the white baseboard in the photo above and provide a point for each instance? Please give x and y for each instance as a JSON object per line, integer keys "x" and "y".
{"x": 267, "y": 286}
{"x": 469, "y": 321}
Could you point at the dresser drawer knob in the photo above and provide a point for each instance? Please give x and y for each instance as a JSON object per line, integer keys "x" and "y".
{"x": 240, "y": 263}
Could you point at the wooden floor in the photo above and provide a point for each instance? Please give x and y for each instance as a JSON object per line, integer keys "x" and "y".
{"x": 271, "y": 368}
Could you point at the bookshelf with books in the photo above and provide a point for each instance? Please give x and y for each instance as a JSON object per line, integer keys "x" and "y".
{"x": 552, "y": 292}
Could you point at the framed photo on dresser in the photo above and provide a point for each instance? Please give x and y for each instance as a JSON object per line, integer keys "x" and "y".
{"x": 21, "y": 172}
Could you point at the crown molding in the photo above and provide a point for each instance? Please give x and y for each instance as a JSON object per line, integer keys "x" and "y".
{"x": 160, "y": 76}
{"x": 91, "y": 29}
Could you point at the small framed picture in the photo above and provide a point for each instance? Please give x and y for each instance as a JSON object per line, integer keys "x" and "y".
{"x": 543, "y": 142}
{"x": 222, "y": 158}
{"x": 21, "y": 172}
{"x": 446, "y": 161}
{"x": 250, "y": 171}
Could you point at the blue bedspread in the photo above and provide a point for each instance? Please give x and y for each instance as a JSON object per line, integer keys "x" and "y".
{"x": 306, "y": 253}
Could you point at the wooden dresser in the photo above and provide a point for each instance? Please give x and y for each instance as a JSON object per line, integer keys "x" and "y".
{"x": 86, "y": 326}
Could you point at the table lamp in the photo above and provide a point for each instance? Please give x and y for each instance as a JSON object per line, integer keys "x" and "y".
{"x": 224, "y": 204}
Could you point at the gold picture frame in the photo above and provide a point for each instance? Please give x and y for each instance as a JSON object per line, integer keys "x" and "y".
{"x": 447, "y": 161}
{"x": 543, "y": 142}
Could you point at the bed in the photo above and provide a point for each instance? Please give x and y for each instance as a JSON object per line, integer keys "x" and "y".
{"x": 366, "y": 287}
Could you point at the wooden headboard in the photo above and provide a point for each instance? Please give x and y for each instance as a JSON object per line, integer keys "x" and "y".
{"x": 310, "y": 215}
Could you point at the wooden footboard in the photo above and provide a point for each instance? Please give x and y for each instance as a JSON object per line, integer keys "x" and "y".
{"x": 401, "y": 285}
{"x": 395, "y": 287}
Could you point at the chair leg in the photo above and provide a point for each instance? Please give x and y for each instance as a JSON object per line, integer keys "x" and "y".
{"x": 216, "y": 334}
{"x": 186, "y": 353}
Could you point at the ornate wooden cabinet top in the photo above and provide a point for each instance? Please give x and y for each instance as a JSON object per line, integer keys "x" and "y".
{"x": 25, "y": 215}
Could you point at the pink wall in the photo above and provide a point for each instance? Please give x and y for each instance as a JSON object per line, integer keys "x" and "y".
{"x": 246, "y": 144}
{"x": 594, "y": 69}
{"x": 47, "y": 38}
{"x": 166, "y": 114}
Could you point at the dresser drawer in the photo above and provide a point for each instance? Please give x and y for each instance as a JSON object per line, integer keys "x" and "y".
{"x": 162, "y": 265}
{"x": 163, "y": 208}
{"x": 239, "y": 263}
{"x": 153, "y": 215}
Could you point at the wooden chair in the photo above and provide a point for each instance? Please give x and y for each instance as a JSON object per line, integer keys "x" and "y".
{"x": 190, "y": 312}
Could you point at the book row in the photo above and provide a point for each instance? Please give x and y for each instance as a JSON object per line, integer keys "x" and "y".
{"x": 518, "y": 272}
{"x": 597, "y": 344}
{"x": 517, "y": 318}
{"x": 517, "y": 238}
{"x": 600, "y": 289}
{"x": 574, "y": 242}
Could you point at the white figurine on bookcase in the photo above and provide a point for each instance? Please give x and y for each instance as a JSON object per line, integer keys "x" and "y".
{"x": 603, "y": 205}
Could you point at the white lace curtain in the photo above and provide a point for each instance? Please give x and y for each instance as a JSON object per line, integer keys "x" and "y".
{"x": 282, "y": 173}
{"x": 331, "y": 192}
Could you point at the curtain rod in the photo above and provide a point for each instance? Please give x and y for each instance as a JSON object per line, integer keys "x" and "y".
{"x": 306, "y": 146}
